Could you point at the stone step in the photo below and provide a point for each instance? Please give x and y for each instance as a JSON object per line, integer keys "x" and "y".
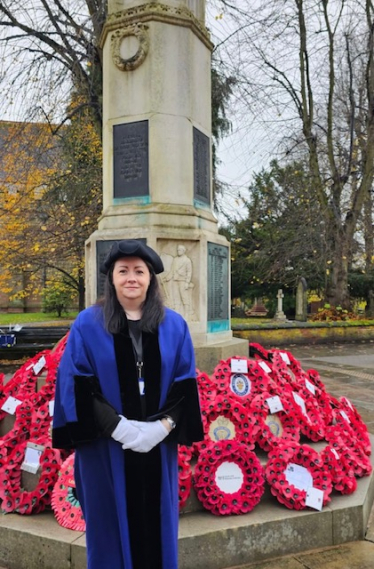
{"x": 205, "y": 541}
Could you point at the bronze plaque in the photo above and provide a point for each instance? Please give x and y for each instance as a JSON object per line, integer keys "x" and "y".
{"x": 201, "y": 164}
{"x": 130, "y": 160}
{"x": 218, "y": 282}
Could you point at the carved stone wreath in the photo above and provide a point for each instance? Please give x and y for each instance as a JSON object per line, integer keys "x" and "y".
{"x": 140, "y": 32}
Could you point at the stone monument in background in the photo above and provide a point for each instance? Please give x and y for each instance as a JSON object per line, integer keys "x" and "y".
{"x": 157, "y": 163}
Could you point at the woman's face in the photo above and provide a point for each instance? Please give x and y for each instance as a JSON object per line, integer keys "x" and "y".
{"x": 131, "y": 278}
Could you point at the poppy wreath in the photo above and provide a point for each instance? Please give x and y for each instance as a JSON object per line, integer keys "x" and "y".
{"x": 315, "y": 378}
{"x": 303, "y": 455}
{"x": 311, "y": 424}
{"x": 342, "y": 438}
{"x": 259, "y": 353}
{"x": 317, "y": 398}
{"x": 23, "y": 382}
{"x": 64, "y": 501}
{"x": 355, "y": 420}
{"x": 17, "y": 499}
{"x": 295, "y": 367}
{"x": 272, "y": 429}
{"x": 281, "y": 375}
{"x": 342, "y": 476}
{"x": 242, "y": 386}
{"x": 234, "y": 462}
{"x": 206, "y": 387}
{"x": 227, "y": 419}
{"x": 21, "y": 427}
{"x": 184, "y": 475}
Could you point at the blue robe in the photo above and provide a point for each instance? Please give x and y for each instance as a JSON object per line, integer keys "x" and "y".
{"x": 95, "y": 360}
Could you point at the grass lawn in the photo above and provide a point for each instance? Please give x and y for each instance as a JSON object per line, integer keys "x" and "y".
{"x": 22, "y": 318}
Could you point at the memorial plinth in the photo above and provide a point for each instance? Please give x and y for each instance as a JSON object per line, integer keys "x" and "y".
{"x": 157, "y": 162}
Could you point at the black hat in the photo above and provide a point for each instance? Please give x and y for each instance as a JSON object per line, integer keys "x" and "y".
{"x": 132, "y": 248}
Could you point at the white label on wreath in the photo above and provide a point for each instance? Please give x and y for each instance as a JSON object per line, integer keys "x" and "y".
{"x": 229, "y": 477}
{"x": 240, "y": 384}
{"x": 31, "y": 462}
{"x": 222, "y": 429}
{"x": 11, "y": 405}
{"x": 310, "y": 386}
{"x": 275, "y": 404}
{"x": 314, "y": 498}
{"x": 285, "y": 358}
{"x": 265, "y": 367}
{"x": 300, "y": 401}
{"x": 336, "y": 454}
{"x": 51, "y": 407}
{"x": 39, "y": 365}
{"x": 239, "y": 366}
{"x": 348, "y": 403}
{"x": 345, "y": 416}
{"x": 298, "y": 476}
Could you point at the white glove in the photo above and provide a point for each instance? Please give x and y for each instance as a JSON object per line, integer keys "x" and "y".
{"x": 125, "y": 431}
{"x": 149, "y": 435}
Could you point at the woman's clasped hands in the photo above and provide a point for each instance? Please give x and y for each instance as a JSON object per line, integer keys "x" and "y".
{"x": 139, "y": 436}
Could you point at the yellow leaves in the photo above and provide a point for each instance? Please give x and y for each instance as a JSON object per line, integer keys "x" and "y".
{"x": 328, "y": 262}
{"x": 43, "y": 228}
{"x": 219, "y": 16}
{"x": 36, "y": 248}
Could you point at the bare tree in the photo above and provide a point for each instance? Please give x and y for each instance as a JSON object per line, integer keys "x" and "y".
{"x": 288, "y": 56}
{"x": 46, "y": 47}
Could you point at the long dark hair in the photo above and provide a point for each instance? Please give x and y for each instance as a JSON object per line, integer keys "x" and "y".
{"x": 153, "y": 308}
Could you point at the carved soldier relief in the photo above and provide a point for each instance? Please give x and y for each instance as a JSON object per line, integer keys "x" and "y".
{"x": 178, "y": 280}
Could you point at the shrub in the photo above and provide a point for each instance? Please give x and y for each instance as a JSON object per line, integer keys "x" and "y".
{"x": 57, "y": 297}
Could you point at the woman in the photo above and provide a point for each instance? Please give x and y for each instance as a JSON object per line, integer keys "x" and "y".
{"x": 126, "y": 394}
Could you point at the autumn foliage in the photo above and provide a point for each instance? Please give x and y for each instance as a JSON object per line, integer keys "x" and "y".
{"x": 50, "y": 199}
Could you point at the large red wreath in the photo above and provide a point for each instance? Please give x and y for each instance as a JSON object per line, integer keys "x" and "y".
{"x": 303, "y": 455}
{"x": 184, "y": 474}
{"x": 311, "y": 422}
{"x": 342, "y": 438}
{"x": 243, "y": 386}
{"x": 14, "y": 497}
{"x": 64, "y": 501}
{"x": 350, "y": 414}
{"x": 272, "y": 429}
{"x": 228, "y": 478}
{"x": 342, "y": 475}
{"x": 226, "y": 418}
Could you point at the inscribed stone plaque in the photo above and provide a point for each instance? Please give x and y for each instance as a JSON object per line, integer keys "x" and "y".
{"x": 102, "y": 248}
{"x": 130, "y": 160}
{"x": 201, "y": 166}
{"x": 218, "y": 283}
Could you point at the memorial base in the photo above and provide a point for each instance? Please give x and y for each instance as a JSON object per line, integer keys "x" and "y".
{"x": 208, "y": 357}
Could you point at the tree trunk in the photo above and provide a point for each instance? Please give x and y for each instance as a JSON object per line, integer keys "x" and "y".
{"x": 81, "y": 293}
{"x": 337, "y": 292}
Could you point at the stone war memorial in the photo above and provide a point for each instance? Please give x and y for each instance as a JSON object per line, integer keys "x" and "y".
{"x": 157, "y": 163}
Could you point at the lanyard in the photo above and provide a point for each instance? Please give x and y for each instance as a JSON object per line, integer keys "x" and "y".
{"x": 137, "y": 344}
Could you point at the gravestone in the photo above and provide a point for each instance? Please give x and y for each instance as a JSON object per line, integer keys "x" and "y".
{"x": 280, "y": 315}
{"x": 301, "y": 301}
{"x": 157, "y": 163}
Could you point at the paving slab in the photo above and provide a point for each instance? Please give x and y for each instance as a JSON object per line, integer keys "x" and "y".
{"x": 357, "y": 555}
